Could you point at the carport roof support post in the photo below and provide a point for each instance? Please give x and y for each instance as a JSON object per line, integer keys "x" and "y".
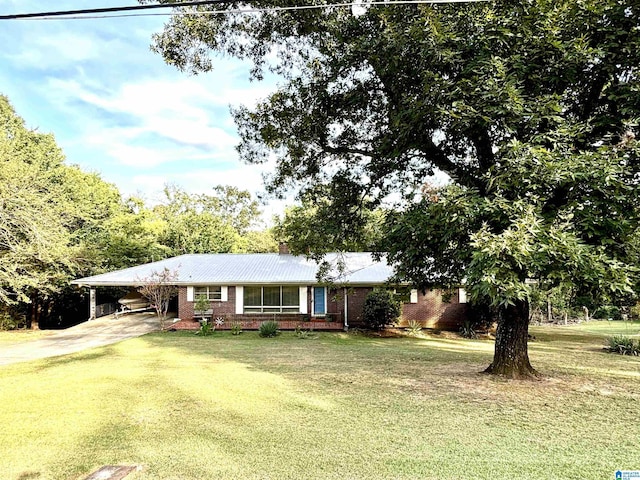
{"x": 92, "y": 303}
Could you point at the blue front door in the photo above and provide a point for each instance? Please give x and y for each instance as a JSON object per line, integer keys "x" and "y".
{"x": 319, "y": 301}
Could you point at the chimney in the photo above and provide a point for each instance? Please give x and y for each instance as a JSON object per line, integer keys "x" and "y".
{"x": 283, "y": 248}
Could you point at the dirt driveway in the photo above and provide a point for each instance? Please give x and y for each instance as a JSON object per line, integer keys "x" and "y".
{"x": 96, "y": 333}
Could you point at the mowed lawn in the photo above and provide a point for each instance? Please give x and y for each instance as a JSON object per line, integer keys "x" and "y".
{"x": 336, "y": 406}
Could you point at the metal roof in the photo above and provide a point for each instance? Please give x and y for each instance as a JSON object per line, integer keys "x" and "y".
{"x": 247, "y": 269}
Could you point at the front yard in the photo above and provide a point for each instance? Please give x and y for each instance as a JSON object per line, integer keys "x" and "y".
{"x": 335, "y": 406}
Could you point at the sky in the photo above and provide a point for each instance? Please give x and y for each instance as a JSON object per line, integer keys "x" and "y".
{"x": 117, "y": 109}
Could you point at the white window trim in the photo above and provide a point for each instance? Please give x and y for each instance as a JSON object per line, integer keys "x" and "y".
{"x": 413, "y": 297}
{"x": 462, "y": 295}
{"x": 239, "y": 299}
{"x": 209, "y": 287}
{"x": 270, "y": 309}
{"x": 303, "y": 300}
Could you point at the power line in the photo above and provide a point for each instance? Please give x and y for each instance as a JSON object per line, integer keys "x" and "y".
{"x": 86, "y": 13}
{"x": 19, "y": 16}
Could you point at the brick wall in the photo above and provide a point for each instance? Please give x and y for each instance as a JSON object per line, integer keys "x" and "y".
{"x": 220, "y": 309}
{"x": 434, "y": 312}
{"x": 355, "y": 304}
{"x": 430, "y": 309}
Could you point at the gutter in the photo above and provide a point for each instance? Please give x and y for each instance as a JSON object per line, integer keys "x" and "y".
{"x": 346, "y": 311}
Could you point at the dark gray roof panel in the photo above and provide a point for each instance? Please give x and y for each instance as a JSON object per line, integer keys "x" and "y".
{"x": 244, "y": 269}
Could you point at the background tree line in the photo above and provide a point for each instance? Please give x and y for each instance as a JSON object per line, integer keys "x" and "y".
{"x": 58, "y": 223}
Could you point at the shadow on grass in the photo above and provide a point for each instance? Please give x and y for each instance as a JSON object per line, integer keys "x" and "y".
{"x": 184, "y": 406}
{"x": 40, "y": 365}
{"x": 174, "y": 420}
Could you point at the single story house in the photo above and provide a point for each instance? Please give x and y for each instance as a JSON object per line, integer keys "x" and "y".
{"x": 251, "y": 288}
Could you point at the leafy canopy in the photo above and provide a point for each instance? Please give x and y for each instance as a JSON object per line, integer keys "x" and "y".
{"x": 529, "y": 107}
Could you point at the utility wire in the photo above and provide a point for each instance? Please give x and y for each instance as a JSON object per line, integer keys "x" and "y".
{"x": 85, "y": 14}
{"x": 194, "y": 3}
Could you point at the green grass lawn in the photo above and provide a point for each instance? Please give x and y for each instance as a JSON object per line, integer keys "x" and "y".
{"x": 333, "y": 407}
{"x": 19, "y": 336}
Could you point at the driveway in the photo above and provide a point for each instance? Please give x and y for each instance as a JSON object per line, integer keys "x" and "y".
{"x": 96, "y": 333}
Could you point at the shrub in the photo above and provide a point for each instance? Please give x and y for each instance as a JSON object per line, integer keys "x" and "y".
{"x": 381, "y": 309}
{"x": 483, "y": 316}
{"x": 8, "y": 322}
{"x": 201, "y": 305}
{"x": 236, "y": 328}
{"x": 414, "y": 327}
{"x": 268, "y": 329}
{"x": 608, "y": 312}
{"x": 303, "y": 333}
{"x": 11, "y": 318}
{"x": 467, "y": 330}
{"x": 624, "y": 345}
{"x": 206, "y": 329}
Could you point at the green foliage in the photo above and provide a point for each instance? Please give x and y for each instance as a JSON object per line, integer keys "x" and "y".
{"x": 304, "y": 333}
{"x": 206, "y": 328}
{"x": 236, "y": 328}
{"x": 36, "y": 251}
{"x": 8, "y": 321}
{"x": 299, "y": 227}
{"x": 414, "y": 327}
{"x": 624, "y": 345}
{"x": 467, "y": 330}
{"x": 257, "y": 241}
{"x": 201, "y": 305}
{"x": 268, "y": 329}
{"x": 608, "y": 312}
{"x": 380, "y": 309}
{"x": 132, "y": 237}
{"x": 208, "y": 223}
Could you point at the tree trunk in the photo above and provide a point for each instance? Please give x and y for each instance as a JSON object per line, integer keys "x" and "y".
{"x": 511, "y": 357}
{"x": 33, "y": 321}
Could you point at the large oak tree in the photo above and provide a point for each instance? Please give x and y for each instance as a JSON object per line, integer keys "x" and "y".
{"x": 530, "y": 107}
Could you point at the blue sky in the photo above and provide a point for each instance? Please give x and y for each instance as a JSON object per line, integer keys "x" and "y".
{"x": 115, "y": 108}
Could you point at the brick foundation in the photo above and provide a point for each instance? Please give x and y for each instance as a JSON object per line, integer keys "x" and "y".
{"x": 255, "y": 325}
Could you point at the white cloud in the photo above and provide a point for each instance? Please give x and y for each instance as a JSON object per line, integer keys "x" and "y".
{"x": 179, "y": 117}
{"x": 117, "y": 109}
{"x": 55, "y": 52}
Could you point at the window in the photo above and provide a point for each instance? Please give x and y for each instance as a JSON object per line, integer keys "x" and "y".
{"x": 271, "y": 299}
{"x": 462, "y": 295}
{"x": 208, "y": 293}
{"x": 403, "y": 294}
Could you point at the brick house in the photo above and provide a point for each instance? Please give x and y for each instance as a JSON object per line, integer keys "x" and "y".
{"x": 251, "y": 288}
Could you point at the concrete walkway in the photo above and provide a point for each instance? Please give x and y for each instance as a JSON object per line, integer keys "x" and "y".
{"x": 95, "y": 333}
